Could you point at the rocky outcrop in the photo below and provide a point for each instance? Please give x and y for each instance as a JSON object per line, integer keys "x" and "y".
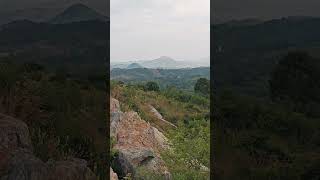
{"x": 113, "y": 175}
{"x": 14, "y": 134}
{"x": 137, "y": 142}
{"x": 17, "y": 161}
{"x": 116, "y": 115}
{"x": 70, "y": 169}
{"x": 160, "y": 117}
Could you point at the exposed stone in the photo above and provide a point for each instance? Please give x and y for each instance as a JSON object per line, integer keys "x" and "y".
{"x": 70, "y": 169}
{"x": 138, "y": 143}
{"x": 160, "y": 117}
{"x": 114, "y": 105}
{"x": 115, "y": 116}
{"x": 25, "y": 166}
{"x": 14, "y": 134}
{"x": 17, "y": 162}
{"x": 14, "y": 137}
{"x": 113, "y": 175}
{"x": 161, "y": 140}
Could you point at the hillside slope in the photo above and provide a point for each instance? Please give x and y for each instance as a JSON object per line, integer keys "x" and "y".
{"x": 173, "y": 113}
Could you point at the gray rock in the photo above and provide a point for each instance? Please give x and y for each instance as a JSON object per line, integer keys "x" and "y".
{"x": 14, "y": 134}
{"x": 25, "y": 166}
{"x": 17, "y": 162}
{"x": 69, "y": 170}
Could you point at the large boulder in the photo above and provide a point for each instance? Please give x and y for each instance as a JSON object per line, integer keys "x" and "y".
{"x": 14, "y": 134}
{"x": 70, "y": 169}
{"x": 25, "y": 166}
{"x": 17, "y": 161}
{"x": 138, "y": 144}
{"x": 14, "y": 139}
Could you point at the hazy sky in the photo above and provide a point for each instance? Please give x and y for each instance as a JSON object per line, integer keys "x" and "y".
{"x": 148, "y": 29}
{"x": 263, "y": 9}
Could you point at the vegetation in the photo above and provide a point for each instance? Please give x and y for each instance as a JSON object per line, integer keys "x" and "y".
{"x": 66, "y": 117}
{"x": 202, "y": 86}
{"x": 183, "y": 79}
{"x": 152, "y": 86}
{"x": 274, "y": 137}
{"x": 189, "y": 157}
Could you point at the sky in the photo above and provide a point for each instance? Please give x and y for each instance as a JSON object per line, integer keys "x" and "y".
{"x": 224, "y": 10}
{"x": 148, "y": 29}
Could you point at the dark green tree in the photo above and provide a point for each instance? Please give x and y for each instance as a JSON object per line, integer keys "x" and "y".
{"x": 202, "y": 86}
{"x": 296, "y": 78}
{"x": 152, "y": 86}
{"x": 296, "y": 81}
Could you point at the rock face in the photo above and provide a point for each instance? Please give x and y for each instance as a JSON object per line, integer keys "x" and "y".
{"x": 113, "y": 175}
{"x": 14, "y": 134}
{"x": 138, "y": 143}
{"x": 159, "y": 116}
{"x": 17, "y": 161}
{"x": 116, "y": 115}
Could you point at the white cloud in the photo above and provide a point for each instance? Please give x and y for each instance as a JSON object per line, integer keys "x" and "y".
{"x": 146, "y": 29}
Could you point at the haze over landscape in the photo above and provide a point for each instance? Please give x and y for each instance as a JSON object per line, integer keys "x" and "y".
{"x": 147, "y": 30}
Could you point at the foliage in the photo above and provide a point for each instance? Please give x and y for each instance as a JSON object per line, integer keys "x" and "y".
{"x": 296, "y": 79}
{"x": 152, "y": 86}
{"x": 188, "y": 111}
{"x": 58, "y": 113}
{"x": 189, "y": 158}
{"x": 202, "y": 86}
{"x": 267, "y": 140}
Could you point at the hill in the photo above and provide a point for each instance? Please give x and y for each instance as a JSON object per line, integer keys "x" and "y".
{"x": 174, "y": 113}
{"x": 65, "y": 118}
{"x": 78, "y": 47}
{"x": 180, "y": 78}
{"x": 134, "y": 66}
{"x": 164, "y": 62}
{"x": 265, "y": 102}
{"x": 245, "y": 54}
{"x": 77, "y": 13}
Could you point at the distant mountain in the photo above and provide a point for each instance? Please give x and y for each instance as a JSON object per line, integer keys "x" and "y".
{"x": 134, "y": 66}
{"x": 77, "y": 13}
{"x": 32, "y": 14}
{"x": 163, "y": 62}
{"x": 243, "y": 22}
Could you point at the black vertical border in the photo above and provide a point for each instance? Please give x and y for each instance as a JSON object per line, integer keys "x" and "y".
{"x": 212, "y": 121}
{"x": 108, "y": 90}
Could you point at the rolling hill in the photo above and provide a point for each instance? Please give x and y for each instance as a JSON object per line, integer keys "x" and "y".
{"x": 77, "y": 47}
{"x": 180, "y": 78}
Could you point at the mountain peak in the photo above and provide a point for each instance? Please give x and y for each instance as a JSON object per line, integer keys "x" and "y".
{"x": 77, "y": 12}
{"x": 164, "y": 58}
{"x": 78, "y": 5}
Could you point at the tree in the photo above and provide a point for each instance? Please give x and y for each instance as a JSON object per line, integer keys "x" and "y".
{"x": 296, "y": 78}
{"x": 296, "y": 82}
{"x": 202, "y": 86}
{"x": 152, "y": 86}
